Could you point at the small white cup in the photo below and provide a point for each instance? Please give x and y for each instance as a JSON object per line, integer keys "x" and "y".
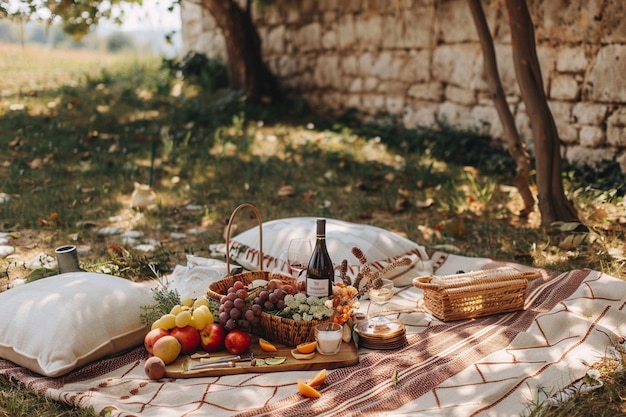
{"x": 329, "y": 338}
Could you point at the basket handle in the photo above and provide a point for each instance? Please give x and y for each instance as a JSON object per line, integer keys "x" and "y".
{"x": 230, "y": 222}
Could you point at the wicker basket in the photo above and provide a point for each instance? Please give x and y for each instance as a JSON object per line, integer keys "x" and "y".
{"x": 475, "y": 294}
{"x": 277, "y": 329}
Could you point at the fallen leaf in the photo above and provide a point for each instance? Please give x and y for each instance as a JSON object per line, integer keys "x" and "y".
{"x": 36, "y": 163}
{"x": 429, "y": 202}
{"x": 286, "y": 191}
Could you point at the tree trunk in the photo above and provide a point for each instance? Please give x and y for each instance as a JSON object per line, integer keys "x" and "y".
{"x": 517, "y": 148}
{"x": 247, "y": 71}
{"x": 553, "y": 204}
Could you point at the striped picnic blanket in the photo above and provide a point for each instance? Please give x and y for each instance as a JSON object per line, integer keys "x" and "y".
{"x": 498, "y": 365}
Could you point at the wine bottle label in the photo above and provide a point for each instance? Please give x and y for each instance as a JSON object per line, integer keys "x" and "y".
{"x": 317, "y": 287}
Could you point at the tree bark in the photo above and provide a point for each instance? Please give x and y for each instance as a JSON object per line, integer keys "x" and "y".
{"x": 553, "y": 204}
{"x": 517, "y": 148}
{"x": 247, "y": 71}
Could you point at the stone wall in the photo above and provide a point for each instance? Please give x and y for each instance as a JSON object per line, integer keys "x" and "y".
{"x": 420, "y": 60}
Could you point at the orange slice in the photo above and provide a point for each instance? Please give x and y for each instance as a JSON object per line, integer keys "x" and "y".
{"x": 307, "y": 390}
{"x": 307, "y": 347}
{"x": 302, "y": 356}
{"x": 267, "y": 346}
{"x": 318, "y": 379}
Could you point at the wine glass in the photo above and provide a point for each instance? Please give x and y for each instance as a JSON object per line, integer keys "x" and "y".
{"x": 298, "y": 255}
{"x": 379, "y": 297}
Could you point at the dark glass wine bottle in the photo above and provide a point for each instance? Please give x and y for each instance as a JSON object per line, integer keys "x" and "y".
{"x": 320, "y": 273}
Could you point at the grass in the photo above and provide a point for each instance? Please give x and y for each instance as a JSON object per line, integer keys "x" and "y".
{"x": 78, "y": 135}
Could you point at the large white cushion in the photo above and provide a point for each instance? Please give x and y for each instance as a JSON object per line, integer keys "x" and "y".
{"x": 56, "y": 324}
{"x": 379, "y": 246}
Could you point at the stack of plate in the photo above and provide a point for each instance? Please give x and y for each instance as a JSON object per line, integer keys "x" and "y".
{"x": 379, "y": 336}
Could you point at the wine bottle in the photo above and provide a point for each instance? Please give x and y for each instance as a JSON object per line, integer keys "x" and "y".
{"x": 320, "y": 273}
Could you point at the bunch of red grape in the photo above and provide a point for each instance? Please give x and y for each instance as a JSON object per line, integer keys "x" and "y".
{"x": 270, "y": 300}
{"x": 234, "y": 311}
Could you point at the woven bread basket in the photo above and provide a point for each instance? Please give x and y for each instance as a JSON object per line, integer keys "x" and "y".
{"x": 276, "y": 329}
{"x": 475, "y": 294}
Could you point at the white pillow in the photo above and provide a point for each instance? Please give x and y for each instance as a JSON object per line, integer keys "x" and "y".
{"x": 56, "y": 324}
{"x": 379, "y": 246}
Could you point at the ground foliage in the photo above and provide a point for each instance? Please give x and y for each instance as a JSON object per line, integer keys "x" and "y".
{"x": 73, "y": 147}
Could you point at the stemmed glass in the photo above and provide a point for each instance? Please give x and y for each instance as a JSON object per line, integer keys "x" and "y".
{"x": 298, "y": 255}
{"x": 379, "y": 297}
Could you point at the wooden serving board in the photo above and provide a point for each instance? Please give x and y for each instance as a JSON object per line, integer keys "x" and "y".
{"x": 347, "y": 356}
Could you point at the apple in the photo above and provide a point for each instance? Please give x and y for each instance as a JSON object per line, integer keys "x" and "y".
{"x": 237, "y": 341}
{"x": 212, "y": 337}
{"x": 189, "y": 338}
{"x": 151, "y": 337}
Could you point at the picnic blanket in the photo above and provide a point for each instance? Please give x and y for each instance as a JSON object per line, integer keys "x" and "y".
{"x": 500, "y": 365}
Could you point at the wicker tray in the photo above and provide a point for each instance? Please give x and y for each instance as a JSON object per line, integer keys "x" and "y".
{"x": 277, "y": 329}
{"x": 475, "y": 294}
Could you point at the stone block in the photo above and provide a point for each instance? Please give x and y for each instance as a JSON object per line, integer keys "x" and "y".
{"x": 325, "y": 73}
{"x": 369, "y": 31}
{"x": 350, "y": 65}
{"x": 392, "y": 88}
{"x": 427, "y": 91}
{"x": 591, "y": 136}
{"x": 460, "y": 95}
{"x": 563, "y": 87}
{"x": 415, "y": 66}
{"x": 613, "y": 22}
{"x": 565, "y": 21}
{"x": 329, "y": 39}
{"x": 346, "y": 34}
{"x": 456, "y": 22}
{"x": 580, "y": 156}
{"x": 275, "y": 40}
{"x": 589, "y": 113}
{"x": 504, "y": 56}
{"x": 386, "y": 66}
{"x": 285, "y": 66}
{"x": 455, "y": 115}
{"x": 561, "y": 111}
{"x": 608, "y": 75}
{"x": 571, "y": 59}
{"x": 271, "y": 14}
{"x": 371, "y": 84}
{"x": 355, "y": 85}
{"x": 455, "y": 64}
{"x": 419, "y": 113}
{"x": 616, "y": 128}
{"x": 394, "y": 104}
{"x": 309, "y": 37}
{"x": 413, "y": 28}
{"x": 365, "y": 63}
{"x": 328, "y": 5}
{"x": 353, "y": 101}
{"x": 487, "y": 120}
{"x": 373, "y": 103}
{"x": 567, "y": 133}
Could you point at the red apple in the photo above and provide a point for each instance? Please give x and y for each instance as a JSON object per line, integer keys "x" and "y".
{"x": 151, "y": 338}
{"x": 189, "y": 338}
{"x": 212, "y": 337}
{"x": 237, "y": 341}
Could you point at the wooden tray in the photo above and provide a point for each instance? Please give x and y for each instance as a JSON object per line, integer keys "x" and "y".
{"x": 347, "y": 356}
